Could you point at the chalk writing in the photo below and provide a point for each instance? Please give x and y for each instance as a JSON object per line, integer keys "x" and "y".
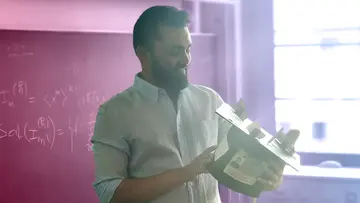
{"x": 5, "y": 100}
{"x": 73, "y": 127}
{"x": 91, "y": 126}
{"x": 60, "y": 131}
{"x": 43, "y": 132}
{"x": 43, "y": 123}
{"x": 18, "y": 50}
{"x": 19, "y": 89}
{"x": 91, "y": 98}
{"x": 11, "y": 133}
{"x": 48, "y": 123}
{"x": 43, "y": 129}
{"x": 59, "y": 96}
{"x": 22, "y": 132}
{"x": 32, "y": 100}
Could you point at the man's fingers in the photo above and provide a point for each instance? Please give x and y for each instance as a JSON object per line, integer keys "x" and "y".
{"x": 253, "y": 126}
{"x": 255, "y": 130}
{"x": 280, "y": 135}
{"x": 265, "y": 182}
{"x": 268, "y": 185}
{"x": 240, "y": 106}
{"x": 293, "y": 132}
{"x": 277, "y": 167}
{"x": 281, "y": 131}
{"x": 210, "y": 149}
{"x": 209, "y": 158}
{"x": 240, "y": 109}
{"x": 270, "y": 175}
{"x": 208, "y": 155}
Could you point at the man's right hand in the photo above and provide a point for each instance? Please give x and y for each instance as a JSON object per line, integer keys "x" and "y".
{"x": 200, "y": 163}
{"x": 151, "y": 188}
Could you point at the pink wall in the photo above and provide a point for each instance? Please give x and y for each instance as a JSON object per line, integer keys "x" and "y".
{"x": 77, "y": 15}
{"x": 119, "y": 16}
{"x": 93, "y": 16}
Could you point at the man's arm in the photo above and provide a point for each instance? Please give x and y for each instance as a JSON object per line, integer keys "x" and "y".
{"x": 111, "y": 155}
{"x": 113, "y": 185}
{"x": 147, "y": 189}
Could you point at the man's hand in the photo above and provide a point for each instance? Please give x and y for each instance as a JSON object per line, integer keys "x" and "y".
{"x": 273, "y": 176}
{"x": 240, "y": 109}
{"x": 200, "y": 163}
{"x": 151, "y": 188}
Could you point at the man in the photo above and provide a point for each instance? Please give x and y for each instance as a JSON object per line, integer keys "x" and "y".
{"x": 153, "y": 141}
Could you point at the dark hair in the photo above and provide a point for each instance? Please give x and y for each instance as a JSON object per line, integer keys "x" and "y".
{"x": 146, "y": 27}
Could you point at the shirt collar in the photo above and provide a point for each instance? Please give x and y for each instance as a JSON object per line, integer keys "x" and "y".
{"x": 145, "y": 88}
{"x": 148, "y": 90}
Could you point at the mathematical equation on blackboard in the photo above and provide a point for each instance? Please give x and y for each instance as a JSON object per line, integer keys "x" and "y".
{"x": 18, "y": 50}
{"x": 19, "y": 89}
{"x": 44, "y": 129}
{"x": 55, "y": 98}
{"x": 45, "y": 132}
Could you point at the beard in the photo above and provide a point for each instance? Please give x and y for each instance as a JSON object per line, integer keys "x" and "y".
{"x": 172, "y": 78}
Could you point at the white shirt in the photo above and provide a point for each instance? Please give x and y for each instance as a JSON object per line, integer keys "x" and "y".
{"x": 138, "y": 133}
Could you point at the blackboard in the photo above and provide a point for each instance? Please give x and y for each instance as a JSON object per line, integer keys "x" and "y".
{"x": 51, "y": 84}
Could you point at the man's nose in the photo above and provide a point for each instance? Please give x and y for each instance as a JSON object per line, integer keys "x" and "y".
{"x": 186, "y": 59}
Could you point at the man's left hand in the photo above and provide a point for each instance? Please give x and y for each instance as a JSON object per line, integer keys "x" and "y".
{"x": 273, "y": 176}
{"x": 240, "y": 109}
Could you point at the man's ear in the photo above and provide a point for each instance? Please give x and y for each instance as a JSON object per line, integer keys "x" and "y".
{"x": 141, "y": 53}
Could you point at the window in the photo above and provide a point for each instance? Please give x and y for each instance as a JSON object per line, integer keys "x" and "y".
{"x": 317, "y": 73}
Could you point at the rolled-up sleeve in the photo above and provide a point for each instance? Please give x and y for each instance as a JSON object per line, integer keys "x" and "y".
{"x": 111, "y": 153}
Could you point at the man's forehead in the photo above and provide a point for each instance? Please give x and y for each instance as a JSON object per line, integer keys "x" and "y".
{"x": 172, "y": 36}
